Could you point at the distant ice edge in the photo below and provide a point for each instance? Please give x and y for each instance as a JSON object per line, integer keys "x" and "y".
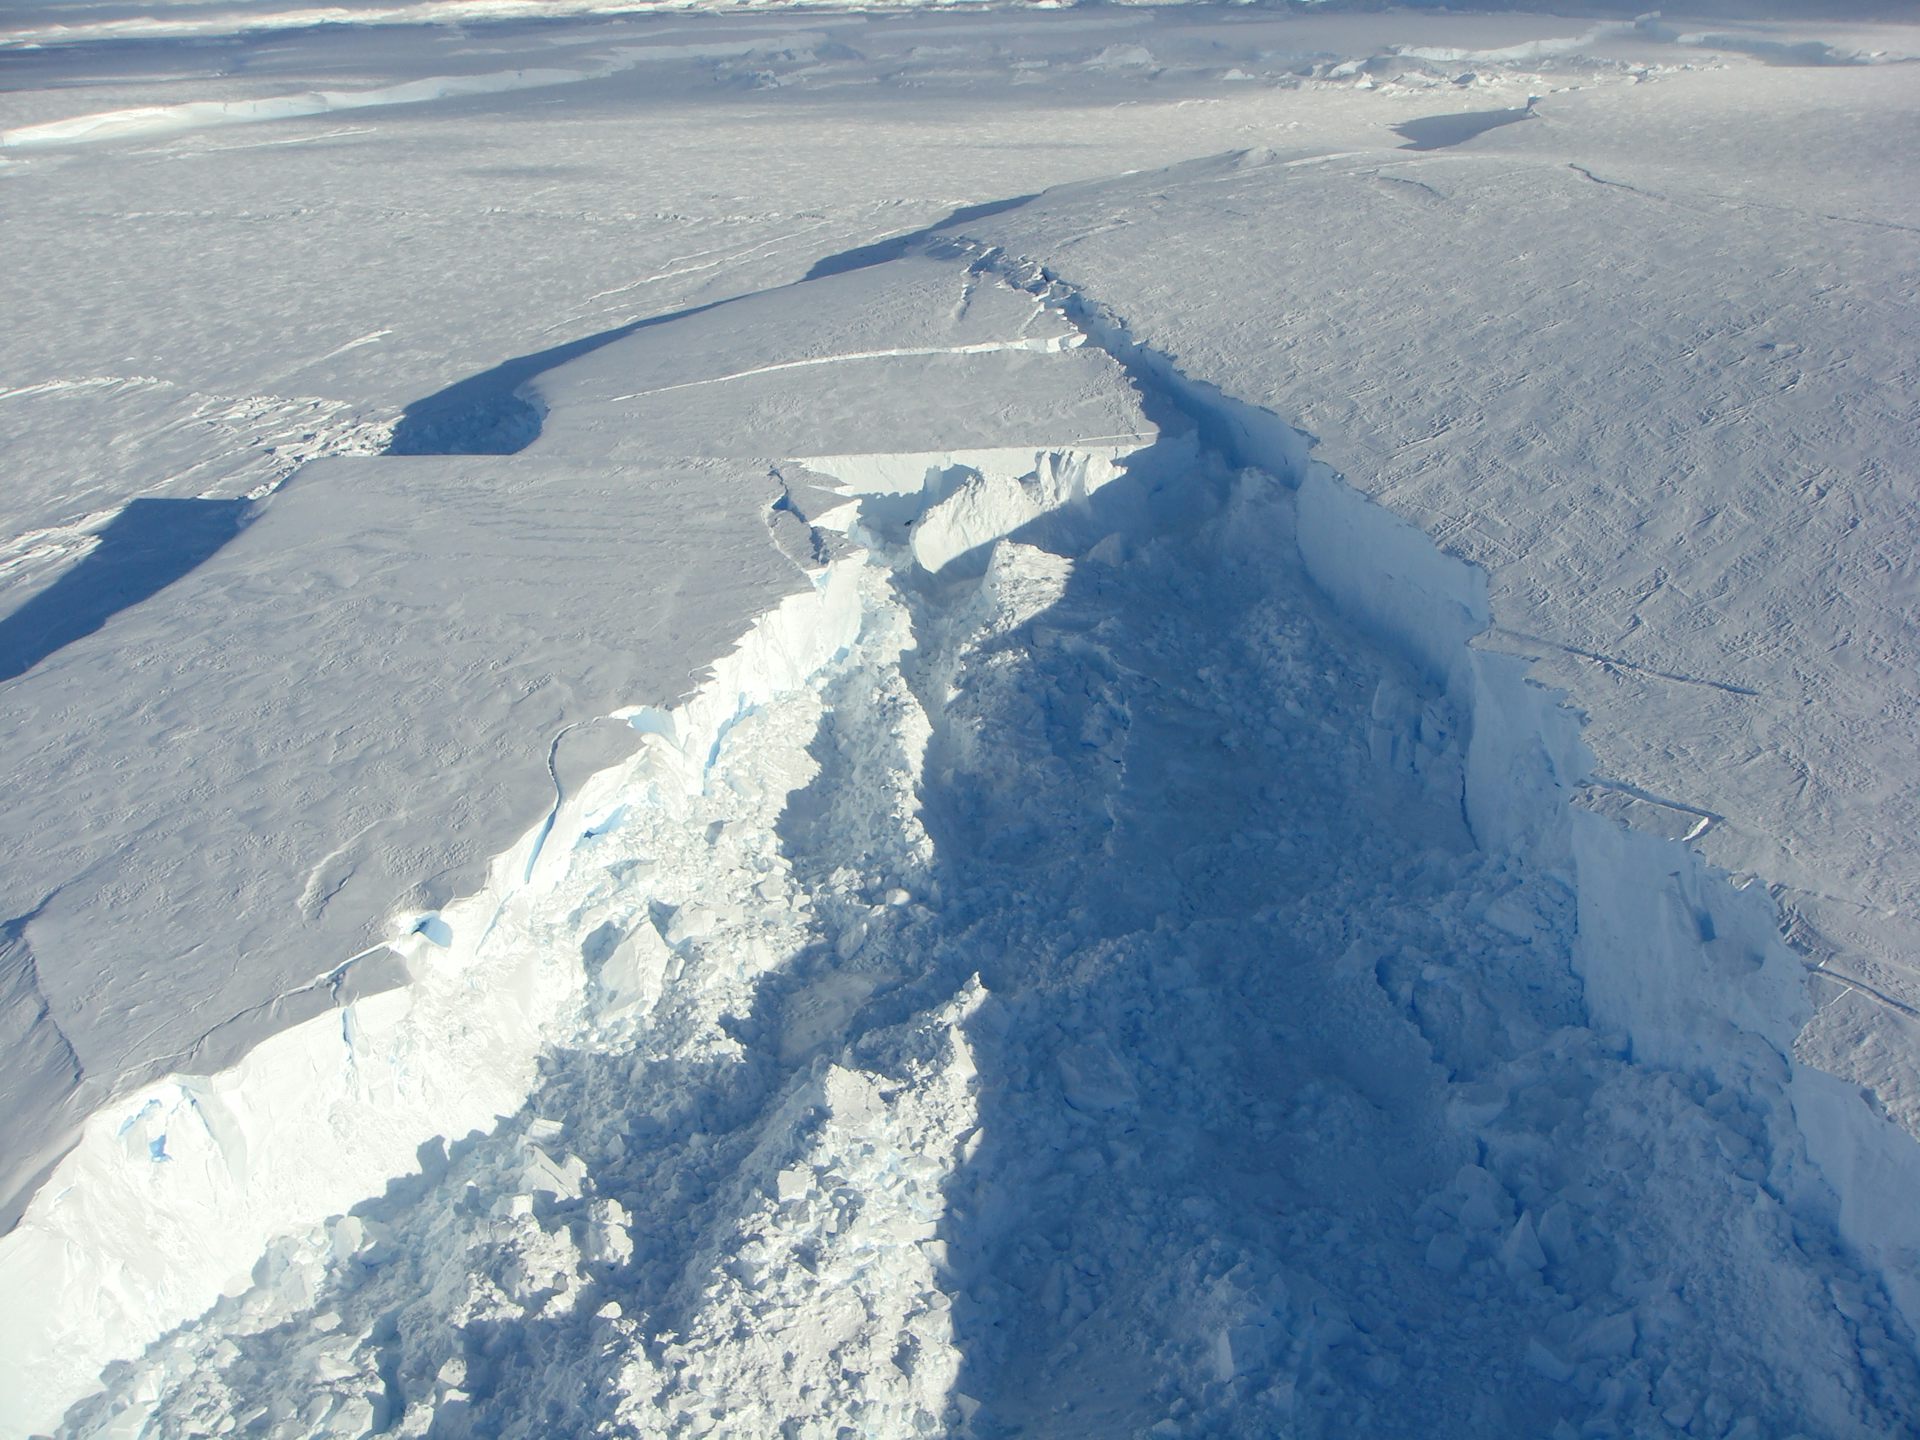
{"x": 1688, "y": 965}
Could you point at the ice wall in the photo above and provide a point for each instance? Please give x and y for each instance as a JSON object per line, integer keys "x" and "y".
{"x": 172, "y": 1193}
{"x": 1688, "y": 966}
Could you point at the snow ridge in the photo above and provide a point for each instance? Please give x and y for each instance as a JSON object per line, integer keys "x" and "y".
{"x": 317, "y": 1115}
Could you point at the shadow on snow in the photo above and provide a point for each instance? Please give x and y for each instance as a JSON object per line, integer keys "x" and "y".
{"x": 143, "y": 549}
{"x": 485, "y": 414}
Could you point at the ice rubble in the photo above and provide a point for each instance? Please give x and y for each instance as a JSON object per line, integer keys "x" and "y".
{"x": 416, "y": 626}
{"x": 1061, "y": 974}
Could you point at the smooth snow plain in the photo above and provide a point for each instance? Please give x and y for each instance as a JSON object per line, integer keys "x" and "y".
{"x": 1040, "y": 907}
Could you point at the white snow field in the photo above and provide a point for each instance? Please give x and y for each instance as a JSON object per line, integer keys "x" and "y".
{"x": 1127, "y": 722}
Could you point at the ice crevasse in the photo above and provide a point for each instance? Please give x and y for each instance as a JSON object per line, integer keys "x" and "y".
{"x": 1673, "y": 955}
{"x": 965, "y": 847}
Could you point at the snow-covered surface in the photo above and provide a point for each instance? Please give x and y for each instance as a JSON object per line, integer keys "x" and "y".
{"x": 1131, "y": 938}
{"x": 347, "y": 710}
{"x": 1714, "y": 555}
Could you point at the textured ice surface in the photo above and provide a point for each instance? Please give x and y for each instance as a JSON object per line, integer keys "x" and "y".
{"x": 1078, "y": 1010}
{"x": 1102, "y": 1189}
{"x": 292, "y": 743}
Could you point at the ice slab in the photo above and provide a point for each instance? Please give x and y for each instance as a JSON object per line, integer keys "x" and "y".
{"x": 821, "y": 368}
{"x": 322, "y": 736}
{"x": 228, "y": 790}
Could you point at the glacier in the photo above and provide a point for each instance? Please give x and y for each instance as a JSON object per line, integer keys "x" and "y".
{"x": 1138, "y": 934}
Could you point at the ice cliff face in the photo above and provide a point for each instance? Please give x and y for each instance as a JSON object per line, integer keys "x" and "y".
{"x": 1690, "y": 966}
{"x": 1109, "y": 956}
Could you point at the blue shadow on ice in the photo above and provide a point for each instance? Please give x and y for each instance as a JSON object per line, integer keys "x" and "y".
{"x": 484, "y": 414}
{"x": 882, "y": 251}
{"x": 145, "y": 548}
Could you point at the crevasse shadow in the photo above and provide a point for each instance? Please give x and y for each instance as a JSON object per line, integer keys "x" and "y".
{"x": 1282, "y": 1129}
{"x": 146, "y": 547}
{"x": 1156, "y": 812}
{"x": 485, "y": 414}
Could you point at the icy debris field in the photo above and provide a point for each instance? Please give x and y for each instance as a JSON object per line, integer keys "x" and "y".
{"x": 998, "y": 724}
{"x": 1076, "y": 1009}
